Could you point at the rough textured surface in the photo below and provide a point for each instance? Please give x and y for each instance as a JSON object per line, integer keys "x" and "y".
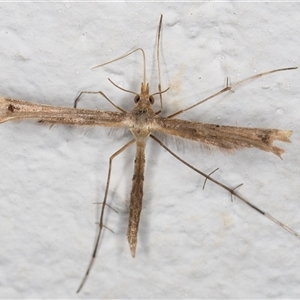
{"x": 192, "y": 243}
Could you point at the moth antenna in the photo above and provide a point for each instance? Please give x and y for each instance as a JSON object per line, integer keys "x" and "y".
{"x": 125, "y": 55}
{"x": 158, "y": 64}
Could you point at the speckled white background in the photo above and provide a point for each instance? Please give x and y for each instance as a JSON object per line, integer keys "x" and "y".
{"x": 192, "y": 243}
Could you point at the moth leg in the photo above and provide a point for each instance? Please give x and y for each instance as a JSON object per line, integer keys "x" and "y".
{"x": 230, "y": 190}
{"x": 102, "y": 94}
{"x": 229, "y": 88}
{"x": 203, "y": 187}
{"x": 100, "y": 224}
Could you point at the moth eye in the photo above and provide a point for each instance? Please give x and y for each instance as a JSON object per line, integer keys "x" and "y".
{"x": 136, "y": 98}
{"x": 151, "y": 99}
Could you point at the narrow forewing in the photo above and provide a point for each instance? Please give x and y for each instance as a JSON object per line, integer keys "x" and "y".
{"x": 227, "y": 137}
{"x": 11, "y": 109}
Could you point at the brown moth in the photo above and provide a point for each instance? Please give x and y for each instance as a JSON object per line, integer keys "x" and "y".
{"x": 144, "y": 122}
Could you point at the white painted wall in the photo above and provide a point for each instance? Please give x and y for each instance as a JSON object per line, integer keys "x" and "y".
{"x": 192, "y": 243}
